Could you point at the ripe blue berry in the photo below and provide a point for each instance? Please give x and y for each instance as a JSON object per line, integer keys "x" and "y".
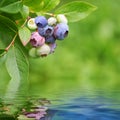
{"x": 61, "y": 31}
{"x": 36, "y": 40}
{"x": 50, "y": 39}
{"x": 41, "y": 21}
{"x": 46, "y": 31}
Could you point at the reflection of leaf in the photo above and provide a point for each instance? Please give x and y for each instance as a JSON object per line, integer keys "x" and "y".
{"x": 17, "y": 67}
{"x": 76, "y": 11}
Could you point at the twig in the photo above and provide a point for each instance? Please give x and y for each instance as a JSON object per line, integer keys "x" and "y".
{"x": 12, "y": 43}
{"x": 25, "y": 22}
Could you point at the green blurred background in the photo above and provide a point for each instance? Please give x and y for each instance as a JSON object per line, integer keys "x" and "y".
{"x": 89, "y": 59}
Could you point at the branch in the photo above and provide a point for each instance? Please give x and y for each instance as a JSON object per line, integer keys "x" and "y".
{"x": 12, "y": 43}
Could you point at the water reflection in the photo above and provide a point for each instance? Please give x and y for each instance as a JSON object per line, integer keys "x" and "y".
{"x": 80, "y": 106}
{"x": 88, "y": 109}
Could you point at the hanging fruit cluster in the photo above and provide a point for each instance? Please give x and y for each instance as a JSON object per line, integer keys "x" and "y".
{"x": 47, "y": 31}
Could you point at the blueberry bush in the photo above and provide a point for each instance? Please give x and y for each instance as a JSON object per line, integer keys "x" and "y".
{"x": 30, "y": 28}
{"x": 37, "y": 22}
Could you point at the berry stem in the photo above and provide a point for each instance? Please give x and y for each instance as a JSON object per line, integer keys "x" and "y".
{"x": 50, "y": 14}
{"x": 12, "y": 43}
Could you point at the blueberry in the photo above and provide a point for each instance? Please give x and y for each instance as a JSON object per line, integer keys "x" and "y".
{"x": 31, "y": 24}
{"x": 61, "y": 31}
{"x": 36, "y": 40}
{"x": 46, "y": 31}
{"x": 41, "y": 21}
{"x": 62, "y": 19}
{"x": 52, "y": 47}
{"x": 50, "y": 39}
{"x": 32, "y": 52}
{"x": 44, "y": 50}
{"x": 52, "y": 21}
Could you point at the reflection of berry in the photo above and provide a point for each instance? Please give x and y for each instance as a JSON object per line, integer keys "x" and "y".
{"x": 52, "y": 21}
{"x": 44, "y": 50}
{"x": 41, "y": 21}
{"x": 61, "y": 31}
{"x": 36, "y": 40}
{"x": 62, "y": 19}
{"x": 46, "y": 31}
{"x": 31, "y": 23}
{"x": 50, "y": 39}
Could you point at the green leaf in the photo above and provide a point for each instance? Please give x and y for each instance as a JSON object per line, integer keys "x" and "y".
{"x": 24, "y": 34}
{"x": 76, "y": 11}
{"x": 8, "y": 30}
{"x": 8, "y": 23}
{"x": 7, "y": 2}
{"x": 50, "y": 4}
{"x": 34, "y": 5}
{"x": 2, "y": 52}
{"x": 12, "y": 8}
{"x": 24, "y": 11}
{"x": 2, "y": 60}
{"x": 18, "y": 69}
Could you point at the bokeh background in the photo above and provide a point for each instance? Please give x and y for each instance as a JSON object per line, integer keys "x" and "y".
{"x": 89, "y": 59}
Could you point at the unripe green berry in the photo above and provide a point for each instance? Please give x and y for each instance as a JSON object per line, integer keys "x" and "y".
{"x": 31, "y": 24}
{"x": 32, "y": 52}
{"x": 44, "y": 50}
{"x": 62, "y": 19}
{"x": 52, "y": 21}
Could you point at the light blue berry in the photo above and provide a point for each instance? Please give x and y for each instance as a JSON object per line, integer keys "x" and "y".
{"x": 61, "y": 31}
{"x": 41, "y": 21}
{"x": 46, "y": 31}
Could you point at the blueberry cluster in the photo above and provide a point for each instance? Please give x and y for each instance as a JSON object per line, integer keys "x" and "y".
{"x": 43, "y": 40}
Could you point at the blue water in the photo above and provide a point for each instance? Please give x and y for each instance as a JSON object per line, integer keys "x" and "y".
{"x": 86, "y": 107}
{"x": 80, "y": 105}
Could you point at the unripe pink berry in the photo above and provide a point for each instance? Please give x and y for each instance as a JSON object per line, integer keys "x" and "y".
{"x": 36, "y": 40}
